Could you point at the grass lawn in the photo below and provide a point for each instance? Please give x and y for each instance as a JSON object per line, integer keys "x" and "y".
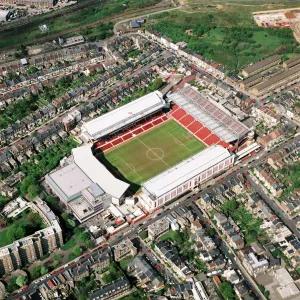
{"x": 3, "y": 239}
{"x": 152, "y": 153}
{"x": 68, "y": 245}
{"x": 143, "y": 234}
{"x": 124, "y": 262}
{"x": 173, "y": 235}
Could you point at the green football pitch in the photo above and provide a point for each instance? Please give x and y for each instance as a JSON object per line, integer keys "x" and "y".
{"x": 151, "y": 153}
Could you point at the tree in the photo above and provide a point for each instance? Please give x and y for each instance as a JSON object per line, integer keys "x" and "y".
{"x": 58, "y": 257}
{"x": 226, "y": 290}
{"x": 21, "y": 281}
{"x": 229, "y": 207}
{"x": 77, "y": 251}
{"x": 44, "y": 270}
{"x": 36, "y": 272}
{"x": 210, "y": 231}
{"x": 15, "y": 233}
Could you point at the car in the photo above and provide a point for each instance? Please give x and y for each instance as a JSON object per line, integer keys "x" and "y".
{"x": 149, "y": 251}
{"x": 24, "y": 288}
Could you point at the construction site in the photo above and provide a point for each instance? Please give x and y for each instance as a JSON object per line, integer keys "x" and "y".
{"x": 279, "y": 19}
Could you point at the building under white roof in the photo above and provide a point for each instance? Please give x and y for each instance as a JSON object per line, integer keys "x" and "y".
{"x": 210, "y": 113}
{"x": 85, "y": 185}
{"x": 97, "y": 172}
{"x": 123, "y": 116}
{"x": 185, "y": 176}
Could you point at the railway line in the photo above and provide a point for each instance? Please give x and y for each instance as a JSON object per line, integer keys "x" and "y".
{"x": 75, "y": 29}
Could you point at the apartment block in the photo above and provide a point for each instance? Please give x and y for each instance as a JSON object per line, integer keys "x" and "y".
{"x": 29, "y": 249}
{"x": 261, "y": 65}
{"x": 124, "y": 249}
{"x": 255, "y": 265}
{"x": 158, "y": 228}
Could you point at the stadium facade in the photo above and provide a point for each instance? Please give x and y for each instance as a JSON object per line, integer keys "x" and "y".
{"x": 84, "y": 185}
{"x": 185, "y": 176}
{"x": 123, "y": 116}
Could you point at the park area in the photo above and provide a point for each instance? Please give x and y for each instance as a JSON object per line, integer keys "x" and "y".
{"x": 226, "y": 34}
{"x": 152, "y": 153}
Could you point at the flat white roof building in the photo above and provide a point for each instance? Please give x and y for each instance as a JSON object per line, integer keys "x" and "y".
{"x": 185, "y": 176}
{"x": 123, "y": 116}
{"x": 85, "y": 185}
{"x": 185, "y": 170}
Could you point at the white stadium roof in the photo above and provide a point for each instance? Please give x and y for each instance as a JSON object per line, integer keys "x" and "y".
{"x": 187, "y": 169}
{"x": 211, "y": 114}
{"x": 124, "y": 115}
{"x": 97, "y": 172}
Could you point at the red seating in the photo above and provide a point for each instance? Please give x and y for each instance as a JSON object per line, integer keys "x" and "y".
{"x": 203, "y": 133}
{"x": 195, "y": 126}
{"x": 157, "y": 121}
{"x": 127, "y": 136}
{"x": 211, "y": 139}
{"x": 186, "y": 120}
{"x": 106, "y": 147}
{"x": 137, "y": 131}
{"x": 178, "y": 114}
{"x": 147, "y": 126}
{"x": 117, "y": 142}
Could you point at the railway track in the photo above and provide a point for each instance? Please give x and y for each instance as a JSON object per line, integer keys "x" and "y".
{"x": 49, "y": 16}
{"x": 92, "y": 24}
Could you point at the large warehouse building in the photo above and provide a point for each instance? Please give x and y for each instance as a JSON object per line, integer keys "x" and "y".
{"x": 85, "y": 185}
{"x": 184, "y": 176}
{"x": 123, "y": 116}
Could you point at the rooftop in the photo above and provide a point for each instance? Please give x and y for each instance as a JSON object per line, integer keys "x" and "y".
{"x": 124, "y": 115}
{"x": 182, "y": 172}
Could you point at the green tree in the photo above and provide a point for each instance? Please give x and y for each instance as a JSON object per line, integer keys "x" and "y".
{"x": 229, "y": 207}
{"x": 210, "y": 231}
{"x": 226, "y": 290}
{"x": 44, "y": 270}
{"x": 58, "y": 257}
{"x": 36, "y": 272}
{"x": 14, "y": 233}
{"x": 21, "y": 281}
{"x": 77, "y": 251}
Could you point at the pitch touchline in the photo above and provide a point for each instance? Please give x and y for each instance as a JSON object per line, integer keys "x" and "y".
{"x": 154, "y": 153}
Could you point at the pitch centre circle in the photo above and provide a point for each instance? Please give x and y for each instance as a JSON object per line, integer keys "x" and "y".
{"x": 155, "y": 153}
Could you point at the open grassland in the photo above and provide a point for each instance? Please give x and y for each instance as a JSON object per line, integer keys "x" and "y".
{"x": 226, "y": 33}
{"x": 151, "y": 153}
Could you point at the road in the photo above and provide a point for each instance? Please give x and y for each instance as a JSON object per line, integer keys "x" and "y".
{"x": 272, "y": 204}
{"x": 142, "y": 16}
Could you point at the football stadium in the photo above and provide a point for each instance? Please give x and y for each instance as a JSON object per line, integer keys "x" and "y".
{"x": 152, "y": 153}
{"x": 164, "y": 149}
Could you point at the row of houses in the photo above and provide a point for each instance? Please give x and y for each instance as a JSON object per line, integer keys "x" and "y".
{"x": 225, "y": 191}
{"x": 180, "y": 49}
{"x": 63, "y": 283}
{"x": 232, "y": 232}
{"x": 264, "y": 174}
{"x": 276, "y": 136}
{"x": 47, "y": 60}
{"x": 17, "y": 154}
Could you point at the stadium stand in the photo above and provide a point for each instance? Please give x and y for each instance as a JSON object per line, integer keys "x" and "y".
{"x": 208, "y": 113}
{"x": 125, "y": 135}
